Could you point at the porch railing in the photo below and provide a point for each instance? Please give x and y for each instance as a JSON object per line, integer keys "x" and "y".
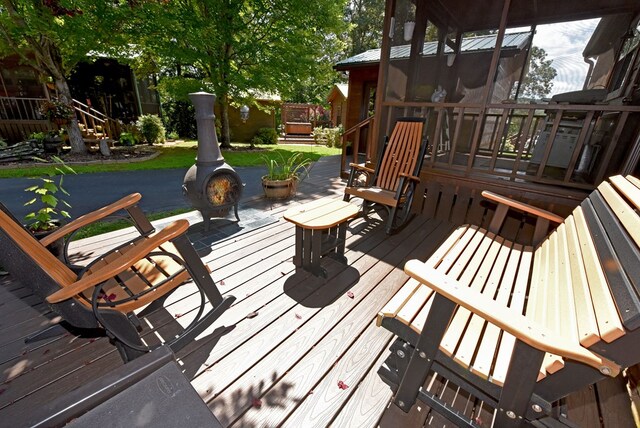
{"x": 352, "y": 138}
{"x": 14, "y": 108}
{"x": 559, "y": 144}
{"x": 20, "y": 117}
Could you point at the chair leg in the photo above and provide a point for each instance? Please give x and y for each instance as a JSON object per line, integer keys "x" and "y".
{"x": 392, "y": 216}
{"x": 424, "y": 354}
{"x": 123, "y": 334}
{"x": 519, "y": 385}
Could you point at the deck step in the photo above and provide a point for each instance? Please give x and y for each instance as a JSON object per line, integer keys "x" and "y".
{"x": 296, "y": 139}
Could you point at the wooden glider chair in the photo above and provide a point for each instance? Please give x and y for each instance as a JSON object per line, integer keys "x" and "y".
{"x": 393, "y": 182}
{"x": 521, "y": 327}
{"x": 108, "y": 291}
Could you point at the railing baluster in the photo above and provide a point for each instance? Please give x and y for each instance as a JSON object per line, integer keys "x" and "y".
{"x": 437, "y": 136}
{"x": 549, "y": 145}
{"x": 587, "y": 127}
{"x": 502, "y": 124}
{"x": 456, "y": 135}
{"x": 522, "y": 141}
{"x": 604, "y": 162}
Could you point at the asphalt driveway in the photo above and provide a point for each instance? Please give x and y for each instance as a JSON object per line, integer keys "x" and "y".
{"x": 161, "y": 189}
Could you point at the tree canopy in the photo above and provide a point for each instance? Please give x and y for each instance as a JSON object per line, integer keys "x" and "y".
{"x": 240, "y": 48}
{"x": 365, "y": 19}
{"x": 539, "y": 80}
{"x": 53, "y": 35}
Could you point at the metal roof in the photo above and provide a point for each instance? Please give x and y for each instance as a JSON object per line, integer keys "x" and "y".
{"x": 469, "y": 44}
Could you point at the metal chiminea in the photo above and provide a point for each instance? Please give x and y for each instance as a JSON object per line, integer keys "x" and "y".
{"x": 211, "y": 185}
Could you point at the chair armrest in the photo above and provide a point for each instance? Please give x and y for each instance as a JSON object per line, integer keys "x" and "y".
{"x": 522, "y": 206}
{"x": 410, "y": 177}
{"x": 361, "y": 168}
{"x": 513, "y": 322}
{"x": 91, "y": 217}
{"x": 121, "y": 263}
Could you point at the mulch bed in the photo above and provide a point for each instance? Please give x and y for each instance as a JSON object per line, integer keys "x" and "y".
{"x": 118, "y": 153}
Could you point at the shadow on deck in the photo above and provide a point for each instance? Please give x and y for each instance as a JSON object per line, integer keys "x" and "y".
{"x": 279, "y": 354}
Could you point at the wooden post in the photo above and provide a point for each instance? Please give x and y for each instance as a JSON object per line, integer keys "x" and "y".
{"x": 383, "y": 71}
{"x": 486, "y": 93}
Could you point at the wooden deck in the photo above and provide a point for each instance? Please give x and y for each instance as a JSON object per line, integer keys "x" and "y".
{"x": 278, "y": 355}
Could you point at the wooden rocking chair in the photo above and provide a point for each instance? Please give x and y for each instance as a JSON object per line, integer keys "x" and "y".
{"x": 106, "y": 292}
{"x": 521, "y": 327}
{"x": 392, "y": 184}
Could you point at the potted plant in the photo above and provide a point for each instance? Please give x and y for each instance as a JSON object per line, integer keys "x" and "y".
{"x": 57, "y": 112}
{"x": 51, "y": 211}
{"x": 283, "y": 174}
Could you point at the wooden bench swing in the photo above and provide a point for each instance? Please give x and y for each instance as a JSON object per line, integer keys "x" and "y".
{"x": 520, "y": 327}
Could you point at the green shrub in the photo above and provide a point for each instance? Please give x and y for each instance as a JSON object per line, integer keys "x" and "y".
{"x": 331, "y": 137}
{"x": 3, "y": 144}
{"x": 38, "y": 136}
{"x": 265, "y": 136}
{"x": 173, "y": 135}
{"x": 127, "y": 139}
{"x": 151, "y": 128}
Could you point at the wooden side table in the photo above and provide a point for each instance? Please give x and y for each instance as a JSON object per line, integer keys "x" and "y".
{"x": 321, "y": 229}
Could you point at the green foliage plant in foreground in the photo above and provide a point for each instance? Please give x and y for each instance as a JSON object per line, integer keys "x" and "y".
{"x": 45, "y": 193}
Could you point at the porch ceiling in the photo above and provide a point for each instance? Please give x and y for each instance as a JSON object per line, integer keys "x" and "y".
{"x": 466, "y": 16}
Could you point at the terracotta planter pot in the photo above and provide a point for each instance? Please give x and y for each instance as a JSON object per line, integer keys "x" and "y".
{"x": 279, "y": 189}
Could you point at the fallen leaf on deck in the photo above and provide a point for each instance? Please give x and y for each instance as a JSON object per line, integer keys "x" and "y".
{"x": 221, "y": 282}
{"x": 256, "y": 402}
{"x": 342, "y": 385}
{"x": 110, "y": 298}
{"x": 177, "y": 316}
{"x": 252, "y": 314}
{"x": 298, "y": 316}
{"x": 350, "y": 295}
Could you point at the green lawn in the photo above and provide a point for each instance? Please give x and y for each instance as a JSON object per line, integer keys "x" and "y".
{"x": 182, "y": 155}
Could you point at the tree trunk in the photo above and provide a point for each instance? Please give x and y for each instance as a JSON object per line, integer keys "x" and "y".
{"x": 73, "y": 130}
{"x": 225, "y": 141}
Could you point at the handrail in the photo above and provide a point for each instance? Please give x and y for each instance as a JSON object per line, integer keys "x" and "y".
{"x": 360, "y": 124}
{"x": 355, "y": 129}
{"x": 90, "y": 115}
{"x": 90, "y": 109}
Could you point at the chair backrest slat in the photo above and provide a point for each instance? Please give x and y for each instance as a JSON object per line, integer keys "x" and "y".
{"x": 401, "y": 154}
{"x": 57, "y": 270}
{"x": 619, "y": 257}
{"x": 603, "y": 238}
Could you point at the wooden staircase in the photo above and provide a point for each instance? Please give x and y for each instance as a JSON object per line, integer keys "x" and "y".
{"x": 95, "y": 125}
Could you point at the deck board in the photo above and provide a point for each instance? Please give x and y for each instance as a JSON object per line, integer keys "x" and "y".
{"x": 288, "y": 339}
